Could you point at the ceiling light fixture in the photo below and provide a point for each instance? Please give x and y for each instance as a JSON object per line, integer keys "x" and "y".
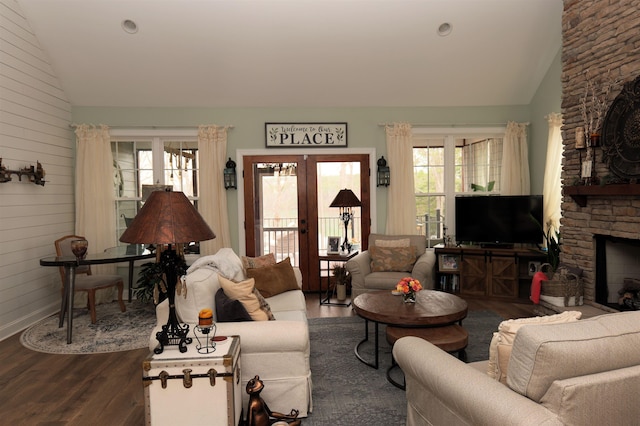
{"x": 129, "y": 26}
{"x": 445, "y": 29}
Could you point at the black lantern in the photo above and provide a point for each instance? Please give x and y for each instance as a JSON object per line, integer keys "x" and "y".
{"x": 384, "y": 175}
{"x": 230, "y": 180}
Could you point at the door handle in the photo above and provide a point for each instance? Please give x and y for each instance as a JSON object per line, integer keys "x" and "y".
{"x": 303, "y": 231}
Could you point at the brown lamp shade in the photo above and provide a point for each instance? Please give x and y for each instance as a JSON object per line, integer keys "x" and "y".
{"x": 167, "y": 218}
{"x": 345, "y": 198}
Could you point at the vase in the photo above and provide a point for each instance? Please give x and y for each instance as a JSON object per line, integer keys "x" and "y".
{"x": 79, "y": 248}
{"x": 409, "y": 297}
{"x": 341, "y": 292}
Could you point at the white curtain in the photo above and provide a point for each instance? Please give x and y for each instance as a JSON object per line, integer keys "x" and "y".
{"x": 515, "y": 161}
{"x": 212, "y": 204}
{"x": 401, "y": 201}
{"x": 95, "y": 199}
{"x": 552, "y": 188}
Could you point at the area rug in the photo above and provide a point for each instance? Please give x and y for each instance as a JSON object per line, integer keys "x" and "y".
{"x": 347, "y": 392}
{"x": 114, "y": 331}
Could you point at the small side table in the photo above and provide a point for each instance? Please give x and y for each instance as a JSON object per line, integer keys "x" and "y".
{"x": 194, "y": 388}
{"x": 329, "y": 258}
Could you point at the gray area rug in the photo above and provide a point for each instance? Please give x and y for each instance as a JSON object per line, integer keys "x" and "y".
{"x": 114, "y": 331}
{"x": 347, "y": 392}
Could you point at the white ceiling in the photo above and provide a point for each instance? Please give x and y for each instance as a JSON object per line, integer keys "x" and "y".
{"x": 298, "y": 53}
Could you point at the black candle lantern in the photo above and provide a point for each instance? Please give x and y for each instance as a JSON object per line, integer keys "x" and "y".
{"x": 230, "y": 179}
{"x": 384, "y": 175}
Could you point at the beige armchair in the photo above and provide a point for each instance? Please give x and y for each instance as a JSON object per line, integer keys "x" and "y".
{"x": 364, "y": 279}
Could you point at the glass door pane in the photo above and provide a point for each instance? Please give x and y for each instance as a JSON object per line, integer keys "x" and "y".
{"x": 332, "y": 177}
{"x": 276, "y": 218}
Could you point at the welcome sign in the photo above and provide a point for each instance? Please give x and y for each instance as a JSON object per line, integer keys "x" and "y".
{"x": 305, "y": 135}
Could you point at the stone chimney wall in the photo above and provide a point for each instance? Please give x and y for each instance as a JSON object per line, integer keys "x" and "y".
{"x": 601, "y": 37}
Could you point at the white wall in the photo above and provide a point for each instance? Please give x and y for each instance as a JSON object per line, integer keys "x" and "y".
{"x": 34, "y": 126}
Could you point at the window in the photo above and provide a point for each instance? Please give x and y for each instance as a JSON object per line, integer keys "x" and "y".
{"x": 141, "y": 162}
{"x": 449, "y": 162}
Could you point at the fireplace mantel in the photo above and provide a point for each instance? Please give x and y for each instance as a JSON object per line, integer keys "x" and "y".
{"x": 580, "y": 193}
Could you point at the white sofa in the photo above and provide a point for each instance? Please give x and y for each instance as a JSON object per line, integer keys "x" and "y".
{"x": 584, "y": 373}
{"x": 278, "y": 351}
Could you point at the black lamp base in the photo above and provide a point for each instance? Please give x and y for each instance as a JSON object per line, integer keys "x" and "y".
{"x": 346, "y": 245}
{"x": 173, "y": 333}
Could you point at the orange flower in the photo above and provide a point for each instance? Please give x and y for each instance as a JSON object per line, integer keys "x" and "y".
{"x": 408, "y": 285}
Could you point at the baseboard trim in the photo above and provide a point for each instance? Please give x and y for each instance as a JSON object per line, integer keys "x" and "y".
{"x": 22, "y": 323}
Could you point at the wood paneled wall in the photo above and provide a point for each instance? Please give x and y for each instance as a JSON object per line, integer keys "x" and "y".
{"x": 34, "y": 126}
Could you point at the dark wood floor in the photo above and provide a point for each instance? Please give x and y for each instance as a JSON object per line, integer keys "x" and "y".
{"x": 105, "y": 389}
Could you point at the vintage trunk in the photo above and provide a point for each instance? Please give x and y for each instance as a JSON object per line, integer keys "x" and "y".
{"x": 194, "y": 388}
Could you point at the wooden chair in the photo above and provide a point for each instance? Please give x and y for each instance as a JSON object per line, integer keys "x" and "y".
{"x": 85, "y": 280}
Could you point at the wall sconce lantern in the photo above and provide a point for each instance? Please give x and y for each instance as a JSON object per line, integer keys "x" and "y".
{"x": 230, "y": 179}
{"x": 384, "y": 175}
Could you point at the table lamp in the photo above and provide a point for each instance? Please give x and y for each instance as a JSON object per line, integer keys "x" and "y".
{"x": 345, "y": 200}
{"x": 168, "y": 218}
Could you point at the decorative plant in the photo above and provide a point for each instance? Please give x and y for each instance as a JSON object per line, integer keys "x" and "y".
{"x": 151, "y": 285}
{"x": 475, "y": 187}
{"x": 594, "y": 104}
{"x": 552, "y": 240}
{"x": 340, "y": 273}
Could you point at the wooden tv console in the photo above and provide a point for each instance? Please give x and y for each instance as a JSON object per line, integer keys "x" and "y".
{"x": 498, "y": 273}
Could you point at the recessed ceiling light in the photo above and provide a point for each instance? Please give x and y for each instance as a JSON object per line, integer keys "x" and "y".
{"x": 445, "y": 29}
{"x": 129, "y": 26}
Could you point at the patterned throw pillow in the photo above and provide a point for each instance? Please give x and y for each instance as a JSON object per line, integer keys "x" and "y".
{"x": 387, "y": 259}
{"x": 404, "y": 242}
{"x": 258, "y": 262}
{"x": 263, "y": 304}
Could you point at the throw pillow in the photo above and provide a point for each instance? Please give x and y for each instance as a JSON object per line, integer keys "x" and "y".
{"x": 258, "y": 262}
{"x": 404, "y": 242}
{"x": 502, "y": 341}
{"x": 386, "y": 259}
{"x": 243, "y": 291}
{"x": 229, "y": 310}
{"x": 264, "y": 305}
{"x": 275, "y": 279}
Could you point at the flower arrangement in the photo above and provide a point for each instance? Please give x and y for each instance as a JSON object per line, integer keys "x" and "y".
{"x": 409, "y": 287}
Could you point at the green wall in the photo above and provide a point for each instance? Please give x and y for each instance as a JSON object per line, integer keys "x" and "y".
{"x": 363, "y": 127}
{"x": 546, "y": 100}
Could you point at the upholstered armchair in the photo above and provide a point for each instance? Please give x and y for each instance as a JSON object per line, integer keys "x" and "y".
{"x": 389, "y": 259}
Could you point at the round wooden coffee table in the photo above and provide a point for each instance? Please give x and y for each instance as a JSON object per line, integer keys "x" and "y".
{"x": 432, "y": 309}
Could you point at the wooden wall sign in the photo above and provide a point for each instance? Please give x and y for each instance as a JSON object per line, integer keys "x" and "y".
{"x": 305, "y": 135}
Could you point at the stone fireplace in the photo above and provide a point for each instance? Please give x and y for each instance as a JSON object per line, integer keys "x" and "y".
{"x": 601, "y": 40}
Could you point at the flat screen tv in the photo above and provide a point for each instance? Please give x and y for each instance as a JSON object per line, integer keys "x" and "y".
{"x": 499, "y": 220}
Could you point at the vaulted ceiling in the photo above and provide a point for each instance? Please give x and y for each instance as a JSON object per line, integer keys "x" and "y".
{"x": 297, "y": 53}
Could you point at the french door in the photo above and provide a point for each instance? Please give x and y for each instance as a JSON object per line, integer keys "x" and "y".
{"x": 287, "y": 199}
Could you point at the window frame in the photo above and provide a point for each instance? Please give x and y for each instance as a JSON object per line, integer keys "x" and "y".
{"x": 449, "y": 135}
{"x": 157, "y": 139}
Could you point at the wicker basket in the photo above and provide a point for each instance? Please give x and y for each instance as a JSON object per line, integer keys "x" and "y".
{"x": 562, "y": 283}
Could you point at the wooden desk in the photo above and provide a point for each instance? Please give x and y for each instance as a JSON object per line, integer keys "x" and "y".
{"x": 129, "y": 253}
